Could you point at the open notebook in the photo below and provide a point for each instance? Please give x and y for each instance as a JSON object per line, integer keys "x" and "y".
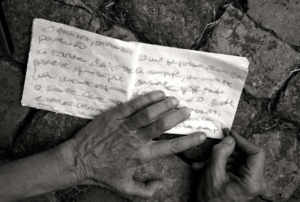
{"x": 76, "y": 72}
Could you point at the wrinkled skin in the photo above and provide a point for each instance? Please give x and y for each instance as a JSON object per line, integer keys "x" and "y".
{"x": 108, "y": 151}
{"x": 235, "y": 172}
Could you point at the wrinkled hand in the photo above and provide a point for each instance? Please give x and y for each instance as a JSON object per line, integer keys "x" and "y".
{"x": 233, "y": 176}
{"x": 110, "y": 149}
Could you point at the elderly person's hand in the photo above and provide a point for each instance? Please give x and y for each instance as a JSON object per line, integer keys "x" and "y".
{"x": 235, "y": 172}
{"x": 108, "y": 151}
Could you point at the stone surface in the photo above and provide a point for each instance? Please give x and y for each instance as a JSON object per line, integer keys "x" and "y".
{"x": 281, "y": 16}
{"x": 96, "y": 194}
{"x": 12, "y": 113}
{"x": 244, "y": 115}
{"x": 20, "y": 14}
{"x": 76, "y": 3}
{"x": 175, "y": 174}
{"x": 96, "y": 26}
{"x": 94, "y": 3}
{"x": 257, "y": 199}
{"x": 282, "y": 163}
{"x": 288, "y": 106}
{"x": 44, "y": 198}
{"x": 177, "y": 23}
{"x": 271, "y": 60}
{"x": 121, "y": 33}
{"x": 45, "y": 131}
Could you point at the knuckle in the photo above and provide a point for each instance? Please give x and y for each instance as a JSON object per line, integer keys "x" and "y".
{"x": 183, "y": 113}
{"x": 128, "y": 190}
{"x": 143, "y": 157}
{"x": 262, "y": 151}
{"x": 169, "y": 103}
{"x": 149, "y": 194}
{"x": 126, "y": 126}
{"x": 150, "y": 97}
{"x": 133, "y": 105}
{"x": 217, "y": 149}
{"x": 145, "y": 116}
{"x": 255, "y": 189}
{"x": 175, "y": 146}
{"x": 160, "y": 126}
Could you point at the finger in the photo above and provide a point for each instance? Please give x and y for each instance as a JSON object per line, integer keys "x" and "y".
{"x": 129, "y": 108}
{"x": 220, "y": 154}
{"x": 200, "y": 166}
{"x": 237, "y": 154}
{"x": 244, "y": 145}
{"x": 167, "y": 147}
{"x": 164, "y": 124}
{"x": 143, "y": 190}
{"x": 149, "y": 114}
{"x": 255, "y": 159}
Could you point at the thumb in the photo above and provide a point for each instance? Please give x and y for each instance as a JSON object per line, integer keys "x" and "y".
{"x": 143, "y": 190}
{"x": 220, "y": 154}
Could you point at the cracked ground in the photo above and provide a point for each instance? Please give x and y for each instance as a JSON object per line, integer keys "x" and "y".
{"x": 265, "y": 31}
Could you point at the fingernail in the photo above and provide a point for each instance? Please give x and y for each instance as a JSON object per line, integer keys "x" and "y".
{"x": 202, "y": 137}
{"x": 161, "y": 94}
{"x": 228, "y": 140}
{"x": 174, "y": 101}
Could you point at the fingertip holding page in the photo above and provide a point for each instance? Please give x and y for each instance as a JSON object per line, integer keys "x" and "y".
{"x": 83, "y": 74}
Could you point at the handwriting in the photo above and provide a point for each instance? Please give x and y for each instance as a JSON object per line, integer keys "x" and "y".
{"x": 36, "y": 76}
{"x": 61, "y": 54}
{"x": 48, "y": 29}
{"x": 204, "y": 111}
{"x": 173, "y": 74}
{"x": 72, "y": 34}
{"x": 87, "y": 107}
{"x": 80, "y": 71}
{"x": 208, "y": 90}
{"x": 71, "y": 91}
{"x": 97, "y": 63}
{"x": 150, "y": 59}
{"x": 153, "y": 83}
{"x": 53, "y": 63}
{"x": 222, "y": 103}
{"x": 192, "y": 89}
{"x": 115, "y": 78}
{"x": 92, "y": 85}
{"x": 195, "y": 99}
{"x": 76, "y": 44}
{"x": 111, "y": 45}
{"x": 184, "y": 125}
{"x": 118, "y": 67}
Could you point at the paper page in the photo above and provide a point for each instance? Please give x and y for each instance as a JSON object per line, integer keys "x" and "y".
{"x": 208, "y": 84}
{"x": 76, "y": 72}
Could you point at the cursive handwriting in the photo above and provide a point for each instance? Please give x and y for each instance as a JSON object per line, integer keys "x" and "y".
{"x": 222, "y": 103}
{"x": 80, "y": 71}
{"x": 61, "y": 54}
{"x": 165, "y": 84}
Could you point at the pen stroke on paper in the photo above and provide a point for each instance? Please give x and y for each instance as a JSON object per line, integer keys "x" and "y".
{"x": 82, "y": 74}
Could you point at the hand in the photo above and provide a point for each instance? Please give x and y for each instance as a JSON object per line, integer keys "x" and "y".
{"x": 233, "y": 176}
{"x": 108, "y": 151}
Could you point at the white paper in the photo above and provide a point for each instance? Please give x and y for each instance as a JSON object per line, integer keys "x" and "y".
{"x": 75, "y": 72}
